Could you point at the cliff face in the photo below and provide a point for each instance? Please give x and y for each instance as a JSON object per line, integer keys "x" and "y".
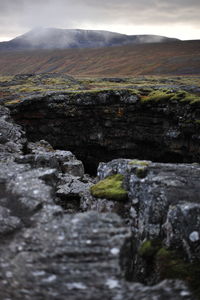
{"x": 100, "y": 126}
{"x": 51, "y": 252}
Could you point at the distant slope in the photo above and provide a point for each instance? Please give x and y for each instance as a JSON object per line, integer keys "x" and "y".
{"x": 54, "y": 38}
{"x": 163, "y": 58}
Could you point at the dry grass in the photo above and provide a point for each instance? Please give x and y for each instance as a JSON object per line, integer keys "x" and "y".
{"x": 130, "y": 60}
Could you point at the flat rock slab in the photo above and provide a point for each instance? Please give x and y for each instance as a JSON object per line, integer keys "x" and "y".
{"x": 75, "y": 257}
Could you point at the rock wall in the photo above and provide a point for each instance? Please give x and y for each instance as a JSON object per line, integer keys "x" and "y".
{"x": 54, "y": 253}
{"x": 100, "y": 126}
{"x": 162, "y": 208}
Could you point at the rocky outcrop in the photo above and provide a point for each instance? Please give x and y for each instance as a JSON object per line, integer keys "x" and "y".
{"x": 51, "y": 246}
{"x": 12, "y": 137}
{"x": 101, "y": 126}
{"x": 77, "y": 257}
{"x": 162, "y": 210}
{"x": 159, "y": 195}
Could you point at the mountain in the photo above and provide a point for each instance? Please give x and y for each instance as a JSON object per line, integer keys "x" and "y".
{"x": 182, "y": 57}
{"x": 53, "y": 38}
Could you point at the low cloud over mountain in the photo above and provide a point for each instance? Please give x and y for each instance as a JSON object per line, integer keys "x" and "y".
{"x": 53, "y": 38}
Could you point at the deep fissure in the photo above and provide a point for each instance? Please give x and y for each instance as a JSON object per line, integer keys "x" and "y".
{"x": 103, "y": 126}
{"x": 96, "y": 147}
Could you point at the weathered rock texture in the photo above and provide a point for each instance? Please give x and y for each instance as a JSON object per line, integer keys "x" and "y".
{"x": 47, "y": 253}
{"x": 100, "y": 126}
{"x": 12, "y": 138}
{"x": 163, "y": 201}
{"x": 163, "y": 211}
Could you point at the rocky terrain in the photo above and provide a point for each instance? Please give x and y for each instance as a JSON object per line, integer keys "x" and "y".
{"x": 132, "y": 232}
{"x": 157, "y": 122}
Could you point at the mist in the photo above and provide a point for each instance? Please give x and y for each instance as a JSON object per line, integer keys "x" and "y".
{"x": 128, "y": 16}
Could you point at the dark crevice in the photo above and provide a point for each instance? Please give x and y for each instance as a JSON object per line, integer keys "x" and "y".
{"x": 70, "y": 204}
{"x": 101, "y": 131}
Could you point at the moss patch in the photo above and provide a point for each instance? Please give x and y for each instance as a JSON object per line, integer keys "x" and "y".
{"x": 141, "y": 163}
{"x": 160, "y": 95}
{"x": 141, "y": 167}
{"x": 110, "y": 188}
{"x": 185, "y": 97}
{"x": 157, "y": 95}
{"x": 173, "y": 266}
{"x": 169, "y": 264}
{"x": 12, "y": 102}
{"x": 141, "y": 172}
{"x": 149, "y": 248}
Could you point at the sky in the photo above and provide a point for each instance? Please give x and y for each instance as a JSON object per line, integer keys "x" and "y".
{"x": 172, "y": 18}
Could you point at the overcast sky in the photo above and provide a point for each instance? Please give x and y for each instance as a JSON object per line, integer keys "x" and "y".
{"x": 173, "y": 18}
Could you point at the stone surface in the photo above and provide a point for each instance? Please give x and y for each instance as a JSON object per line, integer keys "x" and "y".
{"x": 12, "y": 138}
{"x": 182, "y": 228}
{"x": 78, "y": 257}
{"x": 163, "y": 203}
{"x": 70, "y": 190}
{"x": 74, "y": 168}
{"x": 48, "y": 252}
{"x": 41, "y": 154}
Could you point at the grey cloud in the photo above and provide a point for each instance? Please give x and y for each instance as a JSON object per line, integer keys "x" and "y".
{"x": 22, "y": 15}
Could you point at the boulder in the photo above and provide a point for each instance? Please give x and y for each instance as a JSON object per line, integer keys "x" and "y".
{"x": 163, "y": 201}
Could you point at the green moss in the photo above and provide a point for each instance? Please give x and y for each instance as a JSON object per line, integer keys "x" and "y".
{"x": 30, "y": 89}
{"x": 142, "y": 163}
{"x": 182, "y": 96}
{"x": 178, "y": 96}
{"x": 141, "y": 172}
{"x": 133, "y": 91}
{"x": 157, "y": 95}
{"x": 173, "y": 266}
{"x": 5, "y": 78}
{"x": 149, "y": 248}
{"x": 141, "y": 167}
{"x": 192, "y": 99}
{"x": 110, "y": 188}
{"x": 12, "y": 102}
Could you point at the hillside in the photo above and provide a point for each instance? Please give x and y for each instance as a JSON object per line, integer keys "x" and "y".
{"x": 177, "y": 58}
{"x": 54, "y": 38}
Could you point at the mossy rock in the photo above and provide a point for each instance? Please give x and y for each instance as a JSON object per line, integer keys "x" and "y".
{"x": 141, "y": 172}
{"x": 172, "y": 265}
{"x": 161, "y": 95}
{"x": 149, "y": 248}
{"x": 12, "y": 102}
{"x": 158, "y": 95}
{"x": 141, "y": 163}
{"x": 110, "y": 188}
{"x": 141, "y": 167}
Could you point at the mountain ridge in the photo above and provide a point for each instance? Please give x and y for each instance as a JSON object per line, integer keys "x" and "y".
{"x": 55, "y": 38}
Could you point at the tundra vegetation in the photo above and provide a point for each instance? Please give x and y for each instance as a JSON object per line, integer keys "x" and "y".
{"x": 13, "y": 89}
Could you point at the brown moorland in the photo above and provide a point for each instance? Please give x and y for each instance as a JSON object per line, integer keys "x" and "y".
{"x": 177, "y": 58}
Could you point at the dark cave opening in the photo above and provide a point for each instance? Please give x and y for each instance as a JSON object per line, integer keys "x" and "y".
{"x": 96, "y": 132}
{"x": 92, "y": 154}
